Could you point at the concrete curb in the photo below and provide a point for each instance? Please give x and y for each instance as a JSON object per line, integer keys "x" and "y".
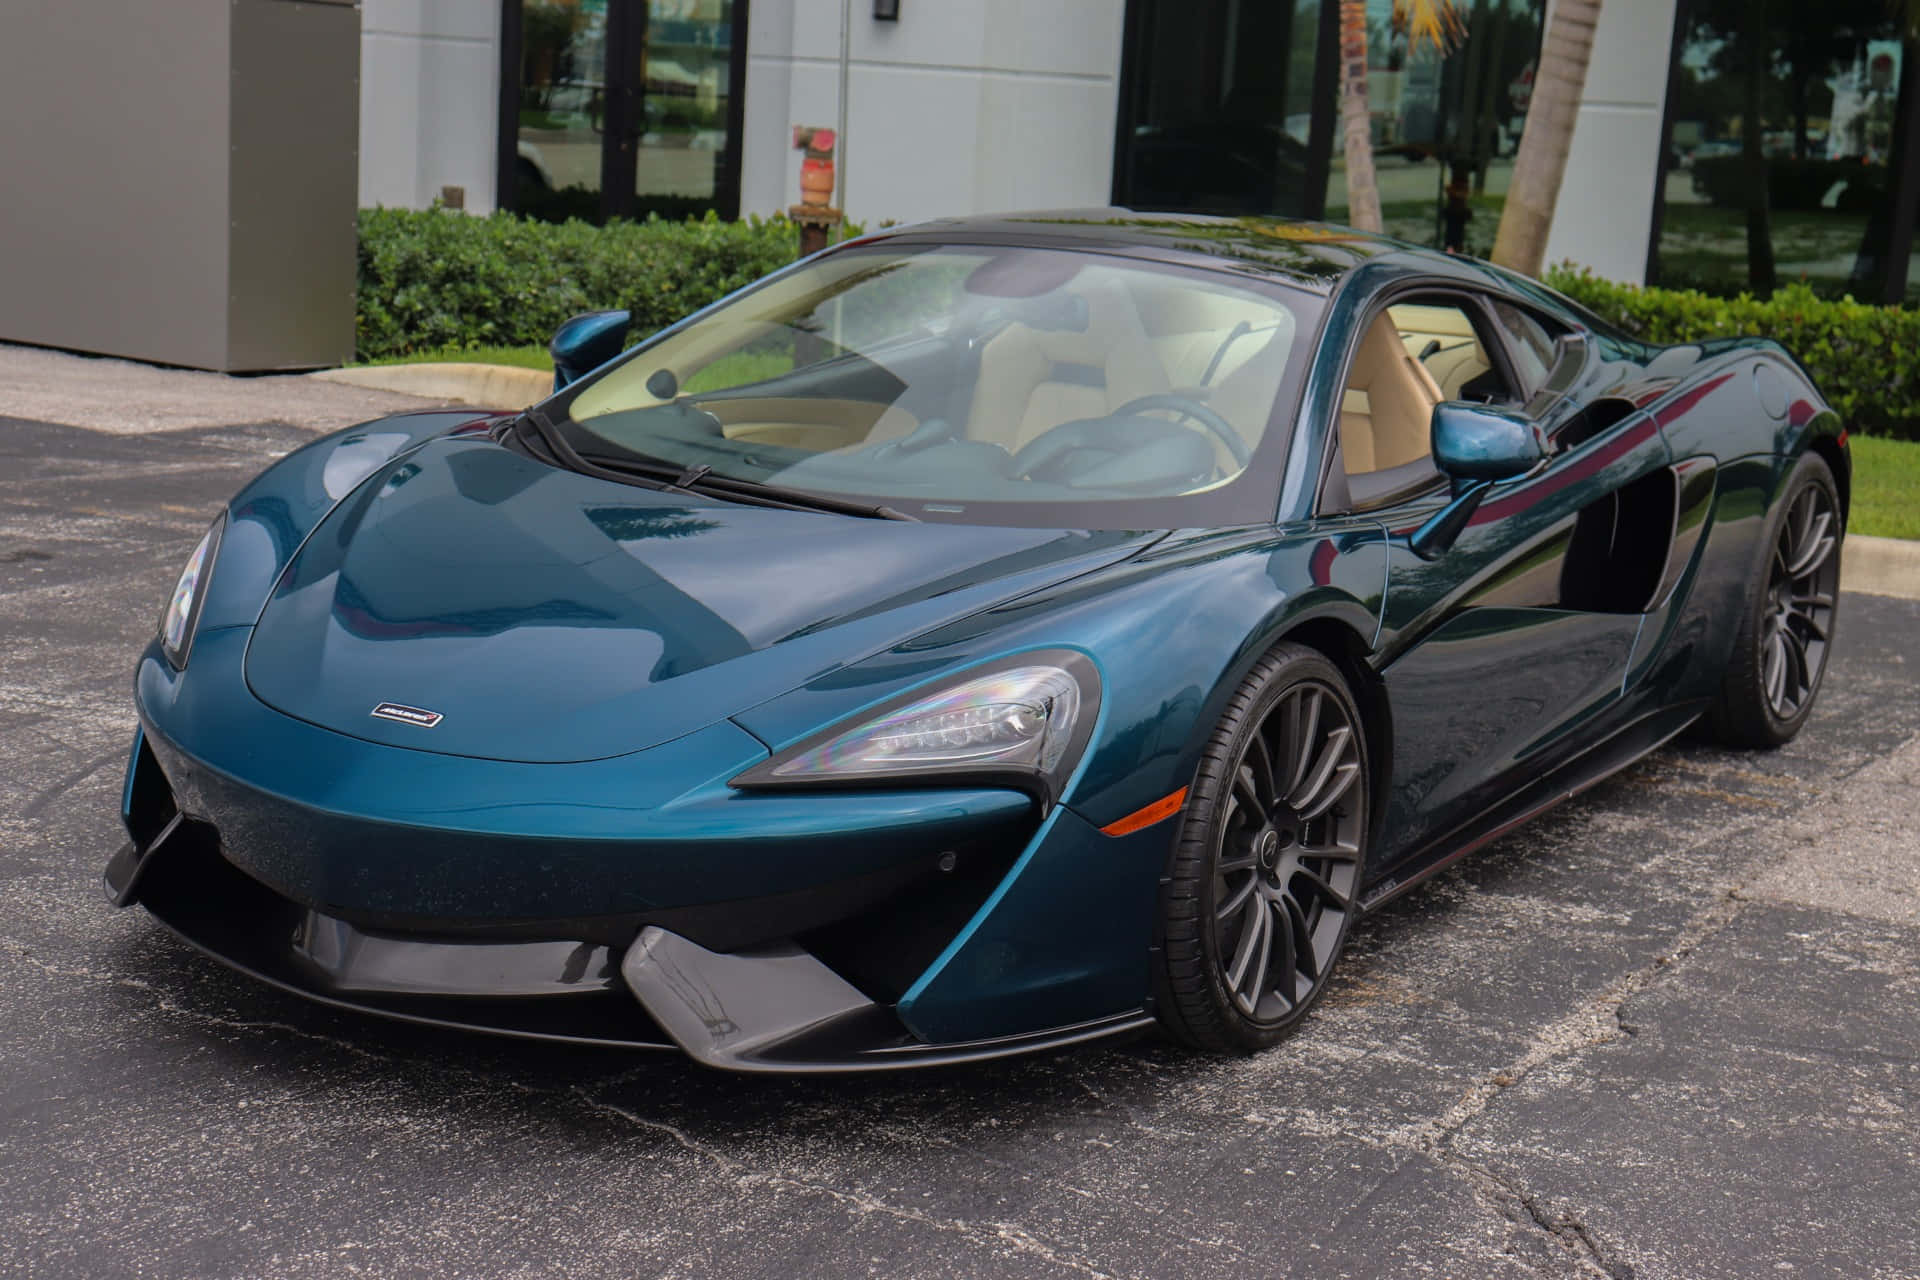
{"x": 494, "y": 386}
{"x": 1881, "y": 566}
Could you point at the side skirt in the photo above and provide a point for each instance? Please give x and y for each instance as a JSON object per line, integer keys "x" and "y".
{"x": 1640, "y": 738}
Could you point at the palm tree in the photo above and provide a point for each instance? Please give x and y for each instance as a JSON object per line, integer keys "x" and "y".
{"x": 1522, "y": 239}
{"x": 1431, "y": 21}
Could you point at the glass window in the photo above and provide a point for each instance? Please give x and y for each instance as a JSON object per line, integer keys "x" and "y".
{"x": 1413, "y": 356}
{"x": 1219, "y": 107}
{"x": 1777, "y": 168}
{"x": 1226, "y": 109}
{"x": 1445, "y": 123}
{"x": 685, "y": 74}
{"x": 563, "y": 84}
{"x": 626, "y": 107}
{"x": 1530, "y": 344}
{"x": 982, "y": 384}
{"x": 1443, "y": 341}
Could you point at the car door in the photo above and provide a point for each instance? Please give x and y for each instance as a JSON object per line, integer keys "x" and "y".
{"x": 1494, "y": 652}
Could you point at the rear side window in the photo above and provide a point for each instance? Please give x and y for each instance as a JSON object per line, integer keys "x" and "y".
{"x": 1531, "y": 343}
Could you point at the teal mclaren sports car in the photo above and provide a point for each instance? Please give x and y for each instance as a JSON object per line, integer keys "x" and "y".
{"x": 984, "y": 636}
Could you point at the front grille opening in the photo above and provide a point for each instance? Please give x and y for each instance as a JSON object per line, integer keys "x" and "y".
{"x": 226, "y": 913}
{"x": 883, "y": 949}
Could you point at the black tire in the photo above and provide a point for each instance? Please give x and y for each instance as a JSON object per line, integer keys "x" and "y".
{"x": 1786, "y": 623}
{"x": 1283, "y": 856}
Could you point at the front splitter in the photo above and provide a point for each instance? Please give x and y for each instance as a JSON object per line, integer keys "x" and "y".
{"x": 218, "y": 910}
{"x": 775, "y": 1010}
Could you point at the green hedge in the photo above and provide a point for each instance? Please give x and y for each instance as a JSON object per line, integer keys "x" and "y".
{"x": 1865, "y": 359}
{"x": 431, "y": 279}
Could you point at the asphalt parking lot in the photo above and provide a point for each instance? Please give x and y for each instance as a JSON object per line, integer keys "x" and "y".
{"x": 1668, "y": 1030}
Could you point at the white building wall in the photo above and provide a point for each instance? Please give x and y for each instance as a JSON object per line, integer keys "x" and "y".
{"x": 1604, "y": 216}
{"x": 962, "y": 106}
{"x": 429, "y": 100}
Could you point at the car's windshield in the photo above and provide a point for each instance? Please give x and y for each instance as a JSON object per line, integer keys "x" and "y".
{"x": 973, "y": 383}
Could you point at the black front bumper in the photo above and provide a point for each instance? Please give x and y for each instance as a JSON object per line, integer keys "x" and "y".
{"x": 786, "y": 984}
{"x": 220, "y": 910}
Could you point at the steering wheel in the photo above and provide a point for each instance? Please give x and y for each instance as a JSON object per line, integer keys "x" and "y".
{"x": 1125, "y": 430}
{"x": 1187, "y": 407}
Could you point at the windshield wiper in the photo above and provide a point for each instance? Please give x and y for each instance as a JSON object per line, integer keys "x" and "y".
{"x": 698, "y": 478}
{"x": 701, "y": 480}
{"x": 562, "y": 454}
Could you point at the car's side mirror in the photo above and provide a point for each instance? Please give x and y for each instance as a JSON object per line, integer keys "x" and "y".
{"x": 586, "y": 342}
{"x": 1475, "y": 446}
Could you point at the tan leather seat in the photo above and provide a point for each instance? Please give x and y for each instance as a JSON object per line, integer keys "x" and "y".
{"x": 1443, "y": 339}
{"x": 1386, "y": 414}
{"x": 1032, "y": 380}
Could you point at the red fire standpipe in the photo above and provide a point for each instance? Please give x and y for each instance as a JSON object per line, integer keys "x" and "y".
{"x": 815, "y": 214}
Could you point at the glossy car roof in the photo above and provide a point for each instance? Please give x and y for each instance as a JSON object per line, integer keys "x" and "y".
{"x": 1313, "y": 255}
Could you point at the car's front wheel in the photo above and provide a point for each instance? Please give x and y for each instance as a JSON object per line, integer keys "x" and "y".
{"x": 1260, "y": 889}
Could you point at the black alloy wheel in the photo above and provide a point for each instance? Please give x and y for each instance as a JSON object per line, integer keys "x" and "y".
{"x": 1802, "y": 581}
{"x": 1261, "y": 887}
{"x": 1780, "y": 652}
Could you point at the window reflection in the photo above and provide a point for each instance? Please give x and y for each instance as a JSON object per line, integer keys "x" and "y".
{"x": 1779, "y": 160}
{"x": 1221, "y": 106}
{"x": 1446, "y": 124}
{"x": 625, "y": 108}
{"x": 563, "y": 71}
{"x": 1223, "y": 98}
{"x": 685, "y": 73}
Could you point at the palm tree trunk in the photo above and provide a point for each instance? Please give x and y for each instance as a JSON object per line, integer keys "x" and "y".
{"x": 1363, "y": 190}
{"x": 1522, "y": 240}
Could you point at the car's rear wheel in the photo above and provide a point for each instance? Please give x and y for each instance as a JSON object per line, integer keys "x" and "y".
{"x": 1260, "y": 889}
{"x": 1786, "y": 629}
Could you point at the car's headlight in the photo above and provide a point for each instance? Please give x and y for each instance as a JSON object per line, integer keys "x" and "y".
{"x": 189, "y": 593}
{"x": 1024, "y": 720}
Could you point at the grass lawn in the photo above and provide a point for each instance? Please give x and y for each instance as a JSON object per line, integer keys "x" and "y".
{"x": 519, "y": 357}
{"x": 1886, "y": 487}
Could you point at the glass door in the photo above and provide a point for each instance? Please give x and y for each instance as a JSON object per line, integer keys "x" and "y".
{"x": 679, "y": 134}
{"x": 623, "y": 108}
{"x": 559, "y": 112}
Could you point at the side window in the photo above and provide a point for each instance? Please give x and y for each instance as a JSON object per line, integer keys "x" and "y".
{"x": 1413, "y": 356}
{"x": 1530, "y": 342}
{"x": 1442, "y": 337}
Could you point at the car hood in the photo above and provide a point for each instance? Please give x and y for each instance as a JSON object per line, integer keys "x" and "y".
{"x": 549, "y": 616}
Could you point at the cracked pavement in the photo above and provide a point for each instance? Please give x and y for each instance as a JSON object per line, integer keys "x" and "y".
{"x": 1667, "y": 1030}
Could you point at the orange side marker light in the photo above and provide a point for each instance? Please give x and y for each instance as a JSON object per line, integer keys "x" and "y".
{"x": 1141, "y": 819}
